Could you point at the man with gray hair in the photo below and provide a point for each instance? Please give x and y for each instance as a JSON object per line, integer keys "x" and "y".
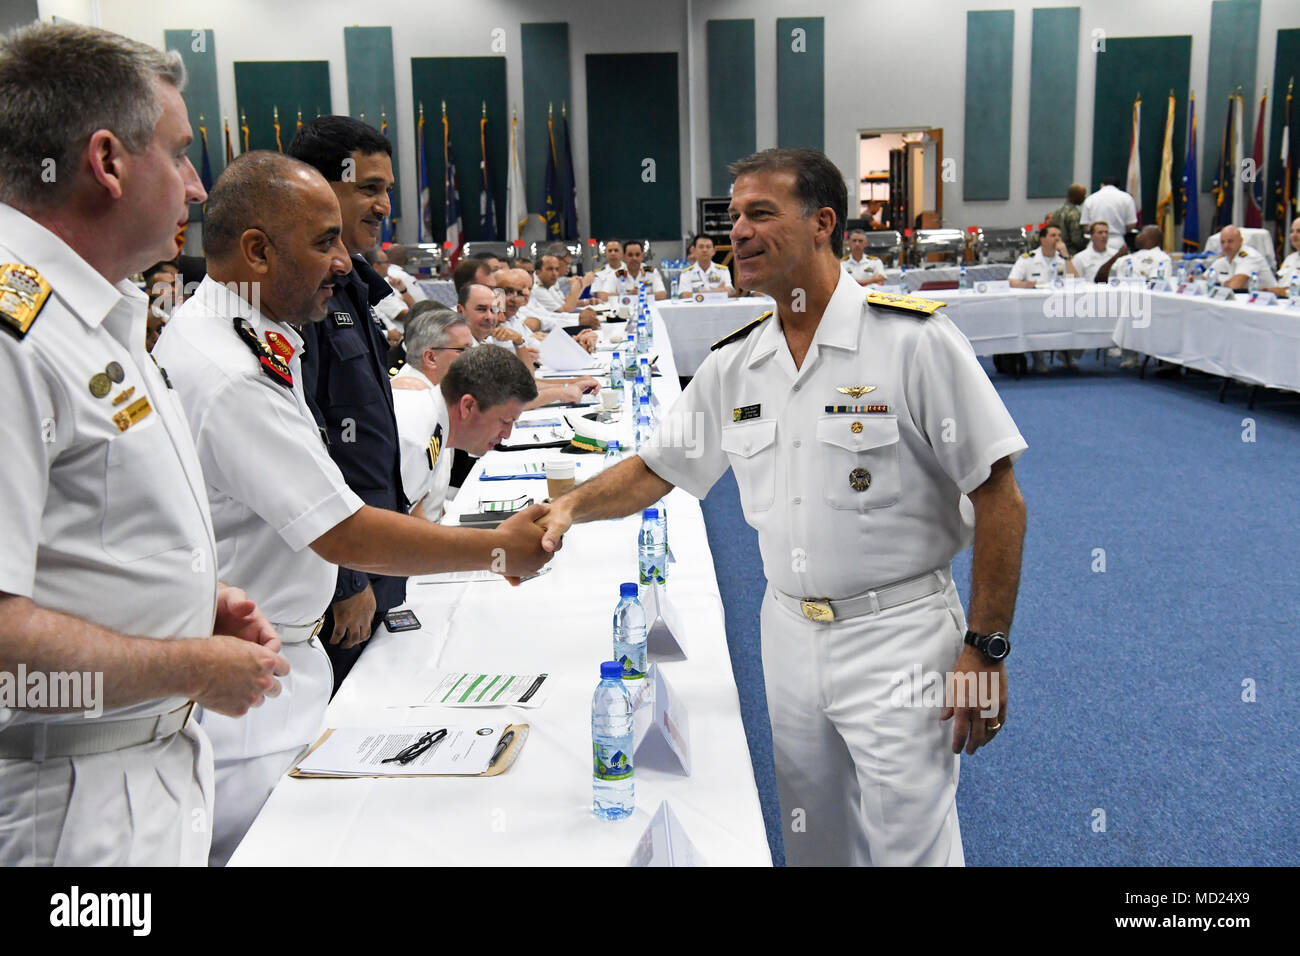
{"x": 109, "y": 565}
{"x": 435, "y": 337}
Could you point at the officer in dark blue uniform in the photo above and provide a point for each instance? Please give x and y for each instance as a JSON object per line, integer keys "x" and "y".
{"x": 344, "y": 367}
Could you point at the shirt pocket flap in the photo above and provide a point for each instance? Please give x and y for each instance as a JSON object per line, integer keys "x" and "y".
{"x": 347, "y": 347}
{"x": 871, "y": 431}
{"x": 749, "y": 438}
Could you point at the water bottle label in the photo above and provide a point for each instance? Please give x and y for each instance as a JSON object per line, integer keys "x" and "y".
{"x": 650, "y": 574}
{"x": 630, "y": 671}
{"x": 612, "y": 760}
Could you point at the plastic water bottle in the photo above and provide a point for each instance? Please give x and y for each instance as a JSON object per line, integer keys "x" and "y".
{"x": 643, "y": 431}
{"x": 673, "y": 294}
{"x": 615, "y": 371}
{"x": 612, "y": 788}
{"x": 644, "y": 409}
{"x": 902, "y": 277}
{"x": 629, "y": 357}
{"x": 1056, "y": 275}
{"x": 1253, "y": 285}
{"x": 638, "y": 389}
{"x": 1128, "y": 267}
{"x": 1182, "y": 273}
{"x": 613, "y": 454}
{"x": 961, "y": 279}
{"x": 643, "y": 369}
{"x": 653, "y": 549}
{"x": 1293, "y": 287}
{"x": 663, "y": 525}
{"x": 649, "y": 331}
{"x": 642, "y": 345}
{"x": 1160, "y": 271}
{"x": 629, "y": 633}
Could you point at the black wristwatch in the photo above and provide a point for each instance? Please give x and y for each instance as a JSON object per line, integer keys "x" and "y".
{"x": 995, "y": 647}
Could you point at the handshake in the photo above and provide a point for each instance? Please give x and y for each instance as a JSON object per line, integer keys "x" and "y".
{"x": 528, "y": 539}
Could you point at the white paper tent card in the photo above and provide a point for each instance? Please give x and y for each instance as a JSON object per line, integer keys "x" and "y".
{"x": 663, "y": 742}
{"x": 665, "y": 634}
{"x": 665, "y": 842}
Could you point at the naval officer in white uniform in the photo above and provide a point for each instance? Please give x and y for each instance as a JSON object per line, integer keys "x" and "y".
{"x": 853, "y": 430}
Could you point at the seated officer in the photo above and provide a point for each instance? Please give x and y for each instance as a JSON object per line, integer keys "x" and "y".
{"x": 479, "y": 395}
{"x": 549, "y": 294}
{"x": 1096, "y": 254}
{"x": 862, "y": 268}
{"x": 1239, "y": 261}
{"x": 283, "y": 513}
{"x": 613, "y": 263}
{"x": 1150, "y": 261}
{"x": 704, "y": 275}
{"x": 627, "y": 280}
{"x": 1290, "y": 268}
{"x": 1038, "y": 268}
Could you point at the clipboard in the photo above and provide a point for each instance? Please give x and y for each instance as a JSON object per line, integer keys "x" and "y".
{"x": 503, "y": 763}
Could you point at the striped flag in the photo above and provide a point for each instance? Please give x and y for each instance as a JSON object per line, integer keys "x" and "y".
{"x": 1255, "y": 205}
{"x": 451, "y": 206}
{"x": 425, "y": 225}
{"x": 1238, "y": 187}
{"x": 553, "y": 204}
{"x": 1191, "y": 199}
{"x": 1165, "y": 186}
{"x": 1223, "y": 192}
{"x": 487, "y": 204}
{"x": 516, "y": 200}
{"x": 1133, "y": 180}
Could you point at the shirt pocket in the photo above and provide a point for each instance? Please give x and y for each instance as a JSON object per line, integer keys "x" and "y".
{"x": 859, "y": 461}
{"x": 749, "y": 447}
{"x": 148, "y": 505}
{"x": 352, "y": 380}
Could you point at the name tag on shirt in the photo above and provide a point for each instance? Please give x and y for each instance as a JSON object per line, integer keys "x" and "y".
{"x": 343, "y": 320}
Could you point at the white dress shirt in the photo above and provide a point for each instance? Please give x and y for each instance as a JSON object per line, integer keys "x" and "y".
{"x": 1036, "y": 267}
{"x": 423, "y": 427}
{"x": 860, "y": 270}
{"x": 1088, "y": 261}
{"x": 1246, "y": 261}
{"x": 1146, "y": 263}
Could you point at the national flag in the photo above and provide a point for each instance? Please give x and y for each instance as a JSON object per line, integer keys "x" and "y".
{"x": 276, "y": 117}
{"x": 425, "y": 225}
{"x": 230, "y": 152}
{"x": 516, "y": 199}
{"x": 1133, "y": 180}
{"x": 299, "y": 128}
{"x": 451, "y": 207}
{"x": 1191, "y": 199}
{"x": 1223, "y": 192}
{"x": 243, "y": 128}
{"x": 1255, "y": 201}
{"x": 386, "y": 228}
{"x": 1165, "y": 186}
{"x": 570, "y": 185}
{"x": 205, "y": 169}
{"x": 1286, "y": 178}
{"x": 1238, "y": 186}
{"x": 553, "y": 204}
{"x": 487, "y": 204}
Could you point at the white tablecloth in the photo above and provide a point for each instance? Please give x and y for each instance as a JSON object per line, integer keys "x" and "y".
{"x": 539, "y": 811}
{"x": 694, "y": 326}
{"x": 976, "y": 272}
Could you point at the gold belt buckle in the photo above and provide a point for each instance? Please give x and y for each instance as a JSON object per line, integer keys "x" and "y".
{"x": 817, "y": 610}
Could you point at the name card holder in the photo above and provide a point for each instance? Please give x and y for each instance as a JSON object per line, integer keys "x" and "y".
{"x": 665, "y": 842}
{"x": 665, "y": 634}
{"x": 662, "y": 742}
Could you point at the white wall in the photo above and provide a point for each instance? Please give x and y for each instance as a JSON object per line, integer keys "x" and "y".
{"x": 889, "y": 64}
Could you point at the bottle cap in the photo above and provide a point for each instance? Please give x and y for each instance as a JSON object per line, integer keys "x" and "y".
{"x": 651, "y": 513}
{"x": 628, "y": 589}
{"x": 644, "y": 400}
{"x": 611, "y": 670}
{"x": 616, "y": 355}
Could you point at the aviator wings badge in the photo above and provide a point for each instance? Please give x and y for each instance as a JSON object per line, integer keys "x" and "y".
{"x": 855, "y": 391}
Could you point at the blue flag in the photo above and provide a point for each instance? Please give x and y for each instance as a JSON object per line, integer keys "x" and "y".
{"x": 553, "y": 204}
{"x": 451, "y": 208}
{"x": 1191, "y": 206}
{"x": 487, "y": 204}
{"x": 570, "y": 187}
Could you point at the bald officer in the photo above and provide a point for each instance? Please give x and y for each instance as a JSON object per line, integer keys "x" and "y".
{"x": 1289, "y": 270}
{"x": 1239, "y": 262}
{"x": 854, "y": 424}
{"x": 283, "y": 513}
{"x": 108, "y": 568}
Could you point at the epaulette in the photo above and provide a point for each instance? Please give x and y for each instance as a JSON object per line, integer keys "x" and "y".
{"x": 913, "y": 304}
{"x": 23, "y": 293}
{"x": 272, "y": 365}
{"x": 1241, "y": 254}
{"x": 1026, "y": 255}
{"x": 740, "y": 333}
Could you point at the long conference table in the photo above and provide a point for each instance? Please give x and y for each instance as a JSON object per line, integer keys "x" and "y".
{"x": 1252, "y": 343}
{"x": 538, "y": 812}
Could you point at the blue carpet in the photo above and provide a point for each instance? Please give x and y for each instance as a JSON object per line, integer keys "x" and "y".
{"x": 1126, "y": 684}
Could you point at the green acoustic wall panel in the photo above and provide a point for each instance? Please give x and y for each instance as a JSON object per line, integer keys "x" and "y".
{"x": 1053, "y": 84}
{"x": 1234, "y": 49}
{"x": 801, "y": 82}
{"x": 466, "y": 84}
{"x": 546, "y": 81}
{"x": 636, "y": 184}
{"x": 291, "y": 86}
{"x": 1151, "y": 66}
{"x": 198, "y": 49}
{"x": 372, "y": 88}
{"x": 1286, "y": 68}
{"x": 986, "y": 160}
{"x": 732, "y": 124}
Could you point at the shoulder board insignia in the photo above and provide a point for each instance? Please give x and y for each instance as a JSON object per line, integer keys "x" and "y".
{"x": 435, "y": 447}
{"x": 1241, "y": 254}
{"x": 23, "y": 293}
{"x": 740, "y": 333}
{"x": 1026, "y": 255}
{"x": 272, "y": 365}
{"x": 914, "y": 304}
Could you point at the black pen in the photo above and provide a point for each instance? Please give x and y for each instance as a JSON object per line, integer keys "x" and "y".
{"x": 502, "y": 744}
{"x": 532, "y": 690}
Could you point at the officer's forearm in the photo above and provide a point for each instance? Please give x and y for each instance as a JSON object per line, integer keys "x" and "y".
{"x": 135, "y": 669}
{"x": 625, "y": 489}
{"x": 1236, "y": 282}
{"x": 999, "y": 541}
{"x": 385, "y": 542}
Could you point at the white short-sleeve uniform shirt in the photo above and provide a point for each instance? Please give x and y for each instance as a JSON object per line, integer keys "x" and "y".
{"x": 1036, "y": 267}
{"x": 714, "y": 279}
{"x": 1146, "y": 263}
{"x": 870, "y": 495}
{"x": 861, "y": 270}
{"x": 1246, "y": 261}
{"x": 1088, "y": 261}
{"x": 423, "y": 427}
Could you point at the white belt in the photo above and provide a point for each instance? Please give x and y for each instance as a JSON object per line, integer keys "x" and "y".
{"x": 868, "y": 602}
{"x": 298, "y": 633}
{"x": 41, "y": 741}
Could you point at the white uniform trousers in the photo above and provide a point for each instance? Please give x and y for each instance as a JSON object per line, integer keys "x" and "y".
{"x": 254, "y": 751}
{"x": 863, "y": 782}
{"x": 149, "y": 805}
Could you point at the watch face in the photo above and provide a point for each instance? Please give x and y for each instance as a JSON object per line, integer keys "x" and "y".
{"x": 997, "y": 647}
